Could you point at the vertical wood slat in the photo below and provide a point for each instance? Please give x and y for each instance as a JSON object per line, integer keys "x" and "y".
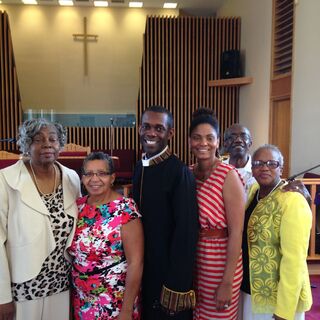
{"x": 99, "y": 138}
{"x": 10, "y": 100}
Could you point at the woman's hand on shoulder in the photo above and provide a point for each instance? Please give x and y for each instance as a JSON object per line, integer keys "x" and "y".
{"x": 7, "y": 311}
{"x": 297, "y": 186}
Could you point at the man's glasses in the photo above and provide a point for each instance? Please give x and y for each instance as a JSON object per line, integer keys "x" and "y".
{"x": 99, "y": 174}
{"x": 271, "y": 164}
{"x": 234, "y": 136}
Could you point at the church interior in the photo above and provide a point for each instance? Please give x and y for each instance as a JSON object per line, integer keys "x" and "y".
{"x": 96, "y": 68}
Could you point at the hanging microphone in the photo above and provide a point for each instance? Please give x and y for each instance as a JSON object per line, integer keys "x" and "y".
{"x": 302, "y": 172}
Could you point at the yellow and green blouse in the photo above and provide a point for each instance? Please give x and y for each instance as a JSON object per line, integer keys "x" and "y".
{"x": 278, "y": 239}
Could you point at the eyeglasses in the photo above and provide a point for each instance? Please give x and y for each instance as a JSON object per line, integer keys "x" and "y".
{"x": 271, "y": 164}
{"x": 99, "y": 174}
{"x": 243, "y": 136}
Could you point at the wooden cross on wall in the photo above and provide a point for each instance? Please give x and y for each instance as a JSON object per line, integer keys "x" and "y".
{"x": 85, "y": 37}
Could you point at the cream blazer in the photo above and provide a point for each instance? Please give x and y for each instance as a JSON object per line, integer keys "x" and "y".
{"x": 26, "y": 237}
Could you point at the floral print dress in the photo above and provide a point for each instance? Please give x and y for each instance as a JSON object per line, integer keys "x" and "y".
{"x": 99, "y": 265}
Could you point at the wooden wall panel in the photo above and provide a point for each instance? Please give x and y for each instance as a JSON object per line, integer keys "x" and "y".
{"x": 10, "y": 101}
{"x": 193, "y": 46}
{"x": 100, "y": 138}
{"x": 283, "y": 21}
{"x": 280, "y": 94}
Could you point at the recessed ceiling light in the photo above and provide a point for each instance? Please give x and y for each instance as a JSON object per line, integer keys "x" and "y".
{"x": 134, "y": 4}
{"x": 100, "y": 3}
{"x": 170, "y": 5}
{"x": 66, "y": 2}
{"x": 29, "y": 2}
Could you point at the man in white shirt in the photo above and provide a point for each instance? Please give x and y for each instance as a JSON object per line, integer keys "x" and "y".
{"x": 237, "y": 142}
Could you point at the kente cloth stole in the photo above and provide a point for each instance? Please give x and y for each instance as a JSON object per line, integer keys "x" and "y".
{"x": 177, "y": 301}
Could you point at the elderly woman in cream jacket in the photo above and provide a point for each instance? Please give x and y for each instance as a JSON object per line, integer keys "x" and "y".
{"x": 37, "y": 222}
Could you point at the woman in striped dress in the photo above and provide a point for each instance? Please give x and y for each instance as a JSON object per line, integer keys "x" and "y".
{"x": 221, "y": 200}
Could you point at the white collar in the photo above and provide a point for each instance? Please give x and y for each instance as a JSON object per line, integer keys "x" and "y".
{"x": 146, "y": 161}
{"x": 247, "y": 167}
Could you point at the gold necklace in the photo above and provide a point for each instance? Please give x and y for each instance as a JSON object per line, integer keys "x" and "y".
{"x": 274, "y": 188}
{"x": 37, "y": 185}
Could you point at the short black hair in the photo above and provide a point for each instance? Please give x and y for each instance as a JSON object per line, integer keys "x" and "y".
{"x": 98, "y": 155}
{"x": 160, "y": 109}
{"x": 204, "y": 115}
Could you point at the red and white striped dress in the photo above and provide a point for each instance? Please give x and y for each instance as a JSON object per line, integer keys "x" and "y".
{"x": 211, "y": 253}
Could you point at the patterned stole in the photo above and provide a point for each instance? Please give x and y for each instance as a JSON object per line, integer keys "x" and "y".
{"x": 163, "y": 156}
{"x": 175, "y": 301}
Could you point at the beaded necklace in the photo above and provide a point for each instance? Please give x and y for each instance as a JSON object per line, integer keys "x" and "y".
{"x": 37, "y": 185}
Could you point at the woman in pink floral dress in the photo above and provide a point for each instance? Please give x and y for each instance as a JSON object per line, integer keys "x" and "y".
{"x": 107, "y": 248}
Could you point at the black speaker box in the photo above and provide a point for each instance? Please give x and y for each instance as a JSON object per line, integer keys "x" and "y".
{"x": 230, "y": 64}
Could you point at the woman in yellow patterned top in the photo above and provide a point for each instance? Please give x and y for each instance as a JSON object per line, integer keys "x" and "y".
{"x": 275, "y": 244}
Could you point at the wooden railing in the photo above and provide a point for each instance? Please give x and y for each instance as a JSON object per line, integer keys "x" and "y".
{"x": 312, "y": 183}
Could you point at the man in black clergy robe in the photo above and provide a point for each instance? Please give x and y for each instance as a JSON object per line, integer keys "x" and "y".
{"x": 164, "y": 189}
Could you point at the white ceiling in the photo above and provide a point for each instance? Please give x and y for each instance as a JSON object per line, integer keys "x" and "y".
{"x": 196, "y": 6}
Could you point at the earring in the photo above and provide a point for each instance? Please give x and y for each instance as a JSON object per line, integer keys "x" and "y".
{"x": 26, "y": 155}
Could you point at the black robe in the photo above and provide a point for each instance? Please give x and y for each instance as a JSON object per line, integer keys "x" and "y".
{"x": 168, "y": 206}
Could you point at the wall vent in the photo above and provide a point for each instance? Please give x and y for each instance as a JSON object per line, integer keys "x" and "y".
{"x": 283, "y": 37}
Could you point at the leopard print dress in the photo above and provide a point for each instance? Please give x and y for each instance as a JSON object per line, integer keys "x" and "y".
{"x": 53, "y": 277}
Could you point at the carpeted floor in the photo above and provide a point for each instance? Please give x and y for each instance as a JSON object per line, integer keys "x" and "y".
{"x": 314, "y": 313}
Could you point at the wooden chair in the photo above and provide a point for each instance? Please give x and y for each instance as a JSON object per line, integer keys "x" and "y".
{"x": 127, "y": 189}
{"x": 71, "y": 149}
{"x": 116, "y": 162}
{"x": 9, "y": 155}
{"x": 76, "y": 147}
{"x": 7, "y": 158}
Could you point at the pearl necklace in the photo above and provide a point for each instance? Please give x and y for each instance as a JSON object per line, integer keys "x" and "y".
{"x": 274, "y": 188}
{"x": 37, "y": 185}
